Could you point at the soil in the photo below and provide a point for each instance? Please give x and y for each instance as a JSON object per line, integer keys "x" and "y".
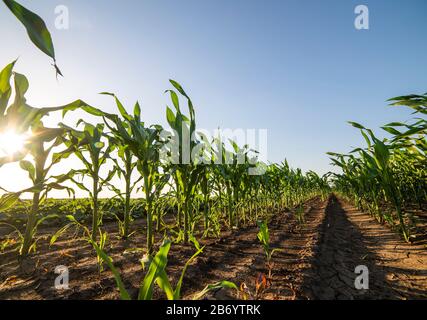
{"x": 317, "y": 260}
{"x": 397, "y": 270}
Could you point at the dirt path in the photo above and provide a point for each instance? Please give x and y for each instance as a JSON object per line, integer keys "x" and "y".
{"x": 349, "y": 238}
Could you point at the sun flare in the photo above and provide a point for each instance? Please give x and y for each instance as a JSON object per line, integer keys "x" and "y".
{"x": 11, "y": 142}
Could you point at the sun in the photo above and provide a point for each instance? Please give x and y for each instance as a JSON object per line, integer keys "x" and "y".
{"x": 11, "y": 142}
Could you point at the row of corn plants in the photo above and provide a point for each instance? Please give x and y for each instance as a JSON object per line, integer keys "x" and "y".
{"x": 208, "y": 191}
{"x": 388, "y": 177}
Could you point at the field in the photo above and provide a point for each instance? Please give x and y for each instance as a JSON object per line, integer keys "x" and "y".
{"x": 317, "y": 261}
{"x": 163, "y": 211}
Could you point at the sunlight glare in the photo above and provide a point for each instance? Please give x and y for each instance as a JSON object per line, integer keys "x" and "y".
{"x": 11, "y": 142}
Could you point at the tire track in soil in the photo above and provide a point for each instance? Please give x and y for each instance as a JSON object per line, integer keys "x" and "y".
{"x": 348, "y": 238}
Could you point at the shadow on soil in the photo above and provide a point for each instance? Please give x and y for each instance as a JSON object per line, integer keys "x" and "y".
{"x": 341, "y": 248}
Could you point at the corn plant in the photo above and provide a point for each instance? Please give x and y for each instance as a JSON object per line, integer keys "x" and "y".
{"x": 39, "y": 143}
{"x": 186, "y": 171}
{"x": 389, "y": 173}
{"x": 121, "y": 132}
{"x": 156, "y": 273}
{"x": 206, "y": 181}
{"x": 89, "y": 148}
{"x": 162, "y": 203}
{"x": 233, "y": 169}
{"x": 300, "y": 215}
{"x": 102, "y": 257}
{"x": 124, "y": 169}
{"x": 264, "y": 237}
{"x": 144, "y": 144}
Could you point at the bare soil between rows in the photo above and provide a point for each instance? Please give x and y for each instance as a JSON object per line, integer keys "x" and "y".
{"x": 317, "y": 261}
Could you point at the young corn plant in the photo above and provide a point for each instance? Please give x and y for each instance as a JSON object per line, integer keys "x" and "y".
{"x": 300, "y": 214}
{"x": 264, "y": 237}
{"x": 144, "y": 143}
{"x": 156, "y": 273}
{"x": 184, "y": 169}
{"x": 124, "y": 169}
{"x": 233, "y": 169}
{"x": 122, "y": 129}
{"x": 206, "y": 181}
{"x": 92, "y": 151}
{"x": 98, "y": 246}
{"x": 162, "y": 203}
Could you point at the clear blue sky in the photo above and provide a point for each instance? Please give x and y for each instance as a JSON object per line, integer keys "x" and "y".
{"x": 297, "y": 68}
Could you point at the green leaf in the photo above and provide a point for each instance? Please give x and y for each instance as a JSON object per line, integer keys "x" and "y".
{"x": 36, "y": 29}
{"x": 164, "y": 284}
{"x": 124, "y": 295}
{"x": 79, "y": 104}
{"x": 29, "y": 167}
{"x": 59, "y": 233}
{"x": 170, "y": 116}
{"x": 5, "y": 88}
{"x": 395, "y": 124}
{"x": 175, "y": 100}
{"x": 156, "y": 267}
{"x": 177, "y": 292}
{"x": 5, "y": 75}
{"x": 99, "y": 145}
{"x": 215, "y": 286}
{"x": 71, "y": 218}
{"x": 178, "y": 87}
{"x": 391, "y": 130}
{"x": 8, "y": 200}
{"x": 21, "y": 85}
{"x": 356, "y": 125}
{"x": 137, "y": 110}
